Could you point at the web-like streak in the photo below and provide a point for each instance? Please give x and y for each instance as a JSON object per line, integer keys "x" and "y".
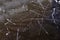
{"x": 24, "y": 20}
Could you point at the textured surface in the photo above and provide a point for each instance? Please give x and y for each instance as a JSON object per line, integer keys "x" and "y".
{"x": 26, "y": 20}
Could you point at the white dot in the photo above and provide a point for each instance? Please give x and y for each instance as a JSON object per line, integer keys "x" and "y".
{"x": 3, "y": 10}
{"x": 55, "y": 0}
{"x": 32, "y": 1}
{"x": 7, "y": 34}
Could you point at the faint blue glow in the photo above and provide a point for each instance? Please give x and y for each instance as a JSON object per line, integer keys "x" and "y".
{"x": 53, "y": 15}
